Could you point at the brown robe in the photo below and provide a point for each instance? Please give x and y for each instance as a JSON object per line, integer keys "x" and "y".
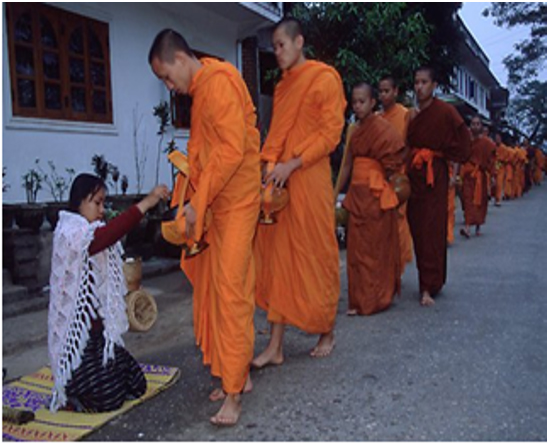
{"x": 398, "y": 117}
{"x": 441, "y": 129}
{"x": 373, "y": 246}
{"x": 474, "y": 181}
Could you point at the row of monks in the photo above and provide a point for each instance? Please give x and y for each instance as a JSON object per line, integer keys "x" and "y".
{"x": 507, "y": 172}
{"x": 291, "y": 269}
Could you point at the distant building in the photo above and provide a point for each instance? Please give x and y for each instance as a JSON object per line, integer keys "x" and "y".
{"x": 475, "y": 89}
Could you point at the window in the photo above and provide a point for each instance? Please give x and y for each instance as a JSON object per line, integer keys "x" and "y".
{"x": 59, "y": 64}
{"x": 181, "y": 104}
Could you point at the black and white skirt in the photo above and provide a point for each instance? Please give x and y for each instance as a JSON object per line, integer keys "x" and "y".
{"x": 98, "y": 388}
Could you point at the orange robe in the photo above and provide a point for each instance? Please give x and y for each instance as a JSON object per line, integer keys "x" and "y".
{"x": 539, "y": 164}
{"x": 519, "y": 163}
{"x": 509, "y": 182}
{"x": 500, "y": 170}
{"x": 373, "y": 255}
{"x": 475, "y": 190}
{"x": 298, "y": 257}
{"x": 398, "y": 116}
{"x": 436, "y": 135}
{"x": 224, "y": 162}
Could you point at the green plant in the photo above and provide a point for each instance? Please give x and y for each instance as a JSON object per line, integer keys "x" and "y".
{"x": 100, "y": 166}
{"x": 32, "y": 182}
{"x": 124, "y": 184}
{"x": 161, "y": 112}
{"x": 115, "y": 175}
{"x": 5, "y": 186}
{"x": 56, "y": 183}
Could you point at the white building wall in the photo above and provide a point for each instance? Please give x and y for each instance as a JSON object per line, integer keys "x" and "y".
{"x": 132, "y": 28}
{"x": 463, "y": 83}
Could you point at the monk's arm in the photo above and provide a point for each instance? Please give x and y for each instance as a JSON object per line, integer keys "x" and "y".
{"x": 324, "y": 139}
{"x": 458, "y": 145}
{"x": 226, "y": 111}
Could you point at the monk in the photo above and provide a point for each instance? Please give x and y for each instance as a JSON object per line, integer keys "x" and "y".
{"x": 501, "y": 157}
{"x": 398, "y": 116}
{"x": 519, "y": 162}
{"x": 223, "y": 152}
{"x": 436, "y": 135}
{"x": 509, "y": 175}
{"x": 373, "y": 258}
{"x": 298, "y": 258}
{"x": 529, "y": 167}
{"x": 475, "y": 179}
{"x": 540, "y": 160}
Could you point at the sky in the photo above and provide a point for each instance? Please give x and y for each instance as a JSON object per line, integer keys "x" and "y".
{"x": 496, "y": 42}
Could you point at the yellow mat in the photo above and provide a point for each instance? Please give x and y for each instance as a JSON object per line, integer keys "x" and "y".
{"x": 33, "y": 392}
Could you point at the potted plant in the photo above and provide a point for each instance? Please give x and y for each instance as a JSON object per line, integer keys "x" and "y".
{"x": 8, "y": 211}
{"x": 31, "y": 215}
{"x": 58, "y": 185}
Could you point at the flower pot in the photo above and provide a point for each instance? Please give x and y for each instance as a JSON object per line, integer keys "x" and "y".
{"x": 8, "y": 215}
{"x": 52, "y": 212}
{"x": 30, "y": 216}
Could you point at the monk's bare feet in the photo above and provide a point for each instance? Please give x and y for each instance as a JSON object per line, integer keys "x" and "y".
{"x": 478, "y": 231}
{"x": 230, "y": 411}
{"x": 427, "y": 300}
{"x": 272, "y": 355}
{"x": 325, "y": 345}
{"x": 352, "y": 312}
{"x": 465, "y": 233}
{"x": 218, "y": 394}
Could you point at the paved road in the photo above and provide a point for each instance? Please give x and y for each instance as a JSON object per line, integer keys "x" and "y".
{"x": 473, "y": 367}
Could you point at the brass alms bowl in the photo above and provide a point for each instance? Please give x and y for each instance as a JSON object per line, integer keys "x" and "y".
{"x": 401, "y": 185}
{"x": 272, "y": 200}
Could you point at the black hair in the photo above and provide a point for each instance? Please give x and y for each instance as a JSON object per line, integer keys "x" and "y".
{"x": 370, "y": 90}
{"x": 291, "y": 27}
{"x": 82, "y": 187}
{"x": 431, "y": 72}
{"x": 166, "y": 44}
{"x": 389, "y": 78}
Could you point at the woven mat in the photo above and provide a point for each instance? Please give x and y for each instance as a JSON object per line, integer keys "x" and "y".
{"x": 33, "y": 392}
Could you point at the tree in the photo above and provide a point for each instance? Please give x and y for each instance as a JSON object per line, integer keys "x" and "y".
{"x": 527, "y": 112}
{"x": 530, "y": 52}
{"x": 527, "y": 109}
{"x": 365, "y": 41}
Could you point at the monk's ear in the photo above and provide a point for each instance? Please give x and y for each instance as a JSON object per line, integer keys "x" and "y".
{"x": 299, "y": 42}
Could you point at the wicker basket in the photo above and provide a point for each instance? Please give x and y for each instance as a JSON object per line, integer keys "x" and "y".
{"x": 133, "y": 273}
{"x": 141, "y": 310}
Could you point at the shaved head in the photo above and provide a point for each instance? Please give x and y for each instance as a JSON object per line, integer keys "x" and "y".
{"x": 291, "y": 26}
{"x": 367, "y": 87}
{"x": 166, "y": 44}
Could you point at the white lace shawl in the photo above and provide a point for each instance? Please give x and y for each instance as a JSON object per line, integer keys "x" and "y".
{"x": 80, "y": 287}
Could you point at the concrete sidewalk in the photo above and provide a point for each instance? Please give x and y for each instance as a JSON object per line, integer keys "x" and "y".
{"x": 24, "y": 337}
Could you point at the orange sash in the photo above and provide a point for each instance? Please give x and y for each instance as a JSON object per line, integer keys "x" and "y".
{"x": 366, "y": 171}
{"x": 422, "y": 156}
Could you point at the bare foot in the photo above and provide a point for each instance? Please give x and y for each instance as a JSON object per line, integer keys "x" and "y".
{"x": 426, "y": 300}
{"x": 352, "y": 312}
{"x": 325, "y": 345}
{"x": 270, "y": 356}
{"x": 465, "y": 233}
{"x": 218, "y": 394}
{"x": 478, "y": 231}
{"x": 230, "y": 411}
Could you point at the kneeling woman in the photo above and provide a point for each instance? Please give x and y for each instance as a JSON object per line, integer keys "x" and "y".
{"x": 87, "y": 313}
{"x": 376, "y": 150}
